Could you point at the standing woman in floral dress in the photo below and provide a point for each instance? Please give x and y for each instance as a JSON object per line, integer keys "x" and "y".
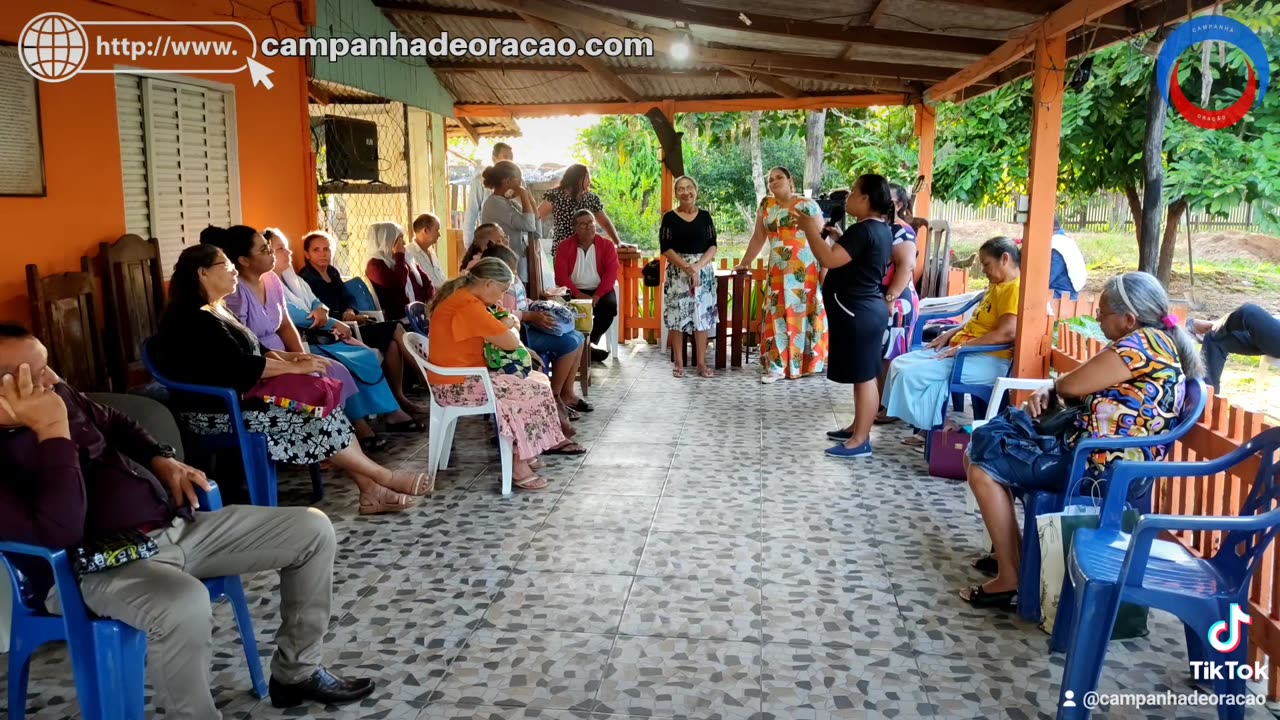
{"x": 794, "y": 342}
{"x": 687, "y": 239}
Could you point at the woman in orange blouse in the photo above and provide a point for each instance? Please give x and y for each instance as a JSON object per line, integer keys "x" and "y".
{"x": 461, "y": 324}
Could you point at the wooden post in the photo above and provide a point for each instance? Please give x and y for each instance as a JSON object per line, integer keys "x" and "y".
{"x": 926, "y": 132}
{"x": 667, "y": 203}
{"x": 1031, "y": 349}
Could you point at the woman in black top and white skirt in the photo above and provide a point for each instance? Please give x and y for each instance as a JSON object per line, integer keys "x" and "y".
{"x": 687, "y": 240}
{"x": 856, "y": 309}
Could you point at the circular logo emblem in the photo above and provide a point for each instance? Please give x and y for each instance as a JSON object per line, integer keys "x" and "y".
{"x": 1202, "y": 29}
{"x": 53, "y": 47}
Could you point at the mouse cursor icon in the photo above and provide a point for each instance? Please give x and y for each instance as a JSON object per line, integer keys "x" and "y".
{"x": 259, "y": 73}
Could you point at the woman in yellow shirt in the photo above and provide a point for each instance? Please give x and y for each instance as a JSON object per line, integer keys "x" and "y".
{"x": 916, "y": 387}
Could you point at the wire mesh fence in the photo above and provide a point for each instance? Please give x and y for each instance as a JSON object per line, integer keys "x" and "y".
{"x": 357, "y": 189}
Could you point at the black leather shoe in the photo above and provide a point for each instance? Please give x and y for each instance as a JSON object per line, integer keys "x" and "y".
{"x": 322, "y": 687}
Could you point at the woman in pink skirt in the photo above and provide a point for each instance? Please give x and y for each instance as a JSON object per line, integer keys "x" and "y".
{"x": 461, "y": 326}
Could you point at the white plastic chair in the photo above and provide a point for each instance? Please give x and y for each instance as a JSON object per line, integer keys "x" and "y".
{"x": 444, "y": 419}
{"x": 611, "y": 337}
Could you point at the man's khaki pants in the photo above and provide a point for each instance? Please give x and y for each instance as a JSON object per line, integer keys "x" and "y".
{"x": 163, "y": 595}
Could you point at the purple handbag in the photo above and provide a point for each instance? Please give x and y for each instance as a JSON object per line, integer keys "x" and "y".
{"x": 946, "y": 453}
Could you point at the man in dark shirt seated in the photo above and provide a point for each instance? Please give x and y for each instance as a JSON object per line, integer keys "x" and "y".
{"x": 76, "y": 470}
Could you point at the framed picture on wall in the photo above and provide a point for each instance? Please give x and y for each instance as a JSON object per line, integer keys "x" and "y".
{"x": 21, "y": 141}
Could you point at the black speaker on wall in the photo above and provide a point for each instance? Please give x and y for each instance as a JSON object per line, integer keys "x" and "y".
{"x": 351, "y": 148}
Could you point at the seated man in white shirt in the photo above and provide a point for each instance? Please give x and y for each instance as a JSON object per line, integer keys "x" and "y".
{"x": 1067, "y": 270}
{"x": 426, "y": 233}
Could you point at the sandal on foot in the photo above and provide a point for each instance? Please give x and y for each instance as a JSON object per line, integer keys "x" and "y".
{"x": 987, "y": 565}
{"x": 536, "y": 464}
{"x": 568, "y": 448}
{"x": 406, "y": 426}
{"x": 410, "y": 483}
{"x": 914, "y": 441}
{"x": 706, "y": 373}
{"x": 582, "y": 406}
{"x": 388, "y": 503}
{"x": 533, "y": 483}
{"x": 984, "y": 600}
{"x": 372, "y": 443}
{"x": 678, "y": 372}
{"x": 572, "y": 414}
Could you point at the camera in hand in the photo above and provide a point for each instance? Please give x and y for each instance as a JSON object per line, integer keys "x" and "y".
{"x": 832, "y": 205}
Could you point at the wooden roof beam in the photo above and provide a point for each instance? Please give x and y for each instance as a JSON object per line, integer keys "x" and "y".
{"x": 796, "y": 27}
{"x": 593, "y": 66}
{"x": 1028, "y": 7}
{"x": 471, "y": 129}
{"x": 603, "y": 25}
{"x": 778, "y": 85}
{"x": 877, "y": 13}
{"x": 685, "y": 105}
{"x": 1067, "y": 18}
{"x": 410, "y": 7}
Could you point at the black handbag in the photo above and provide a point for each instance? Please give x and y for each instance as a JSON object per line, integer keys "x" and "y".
{"x": 1059, "y": 420}
{"x": 651, "y": 273}
{"x": 112, "y": 551}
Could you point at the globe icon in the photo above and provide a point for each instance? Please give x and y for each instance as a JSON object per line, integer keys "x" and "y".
{"x": 53, "y": 47}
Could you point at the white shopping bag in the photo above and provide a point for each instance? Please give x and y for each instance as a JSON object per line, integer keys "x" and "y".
{"x": 1053, "y": 561}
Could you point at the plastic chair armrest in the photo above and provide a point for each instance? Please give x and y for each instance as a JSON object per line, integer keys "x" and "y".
{"x": 1149, "y": 526}
{"x": 64, "y": 579}
{"x": 459, "y": 372}
{"x": 211, "y": 499}
{"x": 958, "y": 368}
{"x": 377, "y": 315}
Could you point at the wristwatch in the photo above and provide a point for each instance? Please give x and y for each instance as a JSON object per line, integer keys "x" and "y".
{"x": 166, "y": 451}
{"x": 890, "y": 297}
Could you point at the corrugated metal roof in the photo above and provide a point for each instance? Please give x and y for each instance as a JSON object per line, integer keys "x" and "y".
{"x": 809, "y": 54}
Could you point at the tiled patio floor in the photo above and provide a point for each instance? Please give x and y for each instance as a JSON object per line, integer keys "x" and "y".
{"x": 703, "y": 560}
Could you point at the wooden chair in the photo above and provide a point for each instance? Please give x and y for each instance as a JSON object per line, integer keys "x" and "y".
{"x": 937, "y": 269}
{"x": 133, "y": 287}
{"x": 63, "y": 316}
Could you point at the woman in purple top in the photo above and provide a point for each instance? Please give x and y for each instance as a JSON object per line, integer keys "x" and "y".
{"x": 259, "y": 303}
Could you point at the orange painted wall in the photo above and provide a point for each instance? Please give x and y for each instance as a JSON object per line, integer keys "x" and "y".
{"x": 85, "y": 198}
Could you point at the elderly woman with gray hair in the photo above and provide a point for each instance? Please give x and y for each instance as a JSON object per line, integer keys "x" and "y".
{"x": 393, "y": 273}
{"x": 1133, "y": 388}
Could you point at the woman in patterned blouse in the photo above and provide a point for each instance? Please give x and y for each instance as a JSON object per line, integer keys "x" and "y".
{"x": 1133, "y": 388}
{"x": 564, "y": 202}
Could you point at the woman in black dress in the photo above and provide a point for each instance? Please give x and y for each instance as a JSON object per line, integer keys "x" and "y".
{"x": 687, "y": 239}
{"x": 856, "y": 311}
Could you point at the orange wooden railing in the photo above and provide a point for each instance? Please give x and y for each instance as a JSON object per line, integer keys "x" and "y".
{"x": 1223, "y": 428}
{"x": 640, "y": 307}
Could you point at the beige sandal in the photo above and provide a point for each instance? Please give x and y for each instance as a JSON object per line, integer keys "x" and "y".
{"x": 410, "y": 483}
{"x": 390, "y": 502}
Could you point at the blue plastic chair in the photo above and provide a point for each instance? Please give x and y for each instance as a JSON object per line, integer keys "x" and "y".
{"x": 364, "y": 297}
{"x": 1036, "y": 503}
{"x": 259, "y": 470}
{"x": 1108, "y": 566}
{"x": 917, "y": 331}
{"x": 417, "y": 314}
{"x": 107, "y": 657}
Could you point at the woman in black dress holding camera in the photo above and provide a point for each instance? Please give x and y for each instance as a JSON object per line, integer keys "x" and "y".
{"x": 856, "y": 311}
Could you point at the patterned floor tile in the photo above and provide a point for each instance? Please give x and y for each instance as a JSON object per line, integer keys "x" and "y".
{"x": 739, "y": 516}
{"x": 434, "y": 598}
{"x": 629, "y": 454}
{"x": 710, "y": 610}
{"x": 584, "y": 550}
{"x": 818, "y": 683}
{"x": 640, "y": 480}
{"x": 600, "y": 512}
{"x": 859, "y": 615}
{"x": 730, "y": 484}
{"x": 815, "y": 560}
{"x": 542, "y": 669}
{"x": 444, "y": 711}
{"x": 700, "y": 556}
{"x": 559, "y": 601}
{"x": 669, "y": 677}
{"x": 664, "y": 430}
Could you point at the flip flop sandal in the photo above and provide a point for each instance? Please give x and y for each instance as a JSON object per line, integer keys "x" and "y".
{"x": 914, "y": 441}
{"x": 984, "y": 600}
{"x": 569, "y": 449}
{"x": 572, "y": 414}
{"x": 410, "y": 483}
{"x": 407, "y": 426}
{"x": 884, "y": 421}
{"x": 582, "y": 406}
{"x": 987, "y": 565}
{"x": 707, "y": 373}
{"x": 533, "y": 483}
{"x": 372, "y": 443}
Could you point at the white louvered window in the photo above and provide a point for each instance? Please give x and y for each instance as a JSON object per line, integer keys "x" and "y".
{"x": 177, "y": 147}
